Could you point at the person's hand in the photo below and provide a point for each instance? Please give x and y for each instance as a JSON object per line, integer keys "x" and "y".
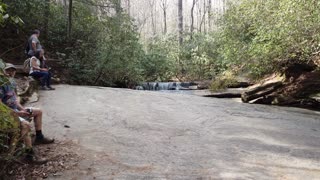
{"x": 23, "y": 113}
{"x": 44, "y": 69}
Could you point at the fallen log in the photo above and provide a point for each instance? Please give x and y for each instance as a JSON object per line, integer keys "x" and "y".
{"x": 260, "y": 91}
{"x": 304, "y": 86}
{"x": 295, "y": 91}
{"x": 224, "y": 95}
{"x": 239, "y": 85}
{"x": 308, "y": 103}
{"x": 263, "y": 100}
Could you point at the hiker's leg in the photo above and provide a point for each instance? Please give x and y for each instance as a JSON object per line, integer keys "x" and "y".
{"x": 40, "y": 139}
{"x": 30, "y": 155}
{"x": 37, "y": 114}
{"x": 40, "y": 75}
{"x": 25, "y": 129}
{"x": 49, "y": 79}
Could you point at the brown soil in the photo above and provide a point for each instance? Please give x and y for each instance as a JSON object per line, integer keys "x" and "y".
{"x": 61, "y": 155}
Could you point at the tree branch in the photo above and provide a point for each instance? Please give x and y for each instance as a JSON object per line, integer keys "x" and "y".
{"x": 11, "y": 49}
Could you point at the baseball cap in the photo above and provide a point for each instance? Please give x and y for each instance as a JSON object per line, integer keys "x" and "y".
{"x": 9, "y": 65}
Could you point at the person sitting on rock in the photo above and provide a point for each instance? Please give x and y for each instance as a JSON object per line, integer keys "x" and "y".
{"x": 37, "y": 72}
{"x": 9, "y": 98}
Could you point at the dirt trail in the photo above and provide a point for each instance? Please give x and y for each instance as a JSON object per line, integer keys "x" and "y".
{"x": 127, "y": 134}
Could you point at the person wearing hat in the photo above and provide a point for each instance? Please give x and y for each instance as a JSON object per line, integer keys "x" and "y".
{"x": 8, "y": 97}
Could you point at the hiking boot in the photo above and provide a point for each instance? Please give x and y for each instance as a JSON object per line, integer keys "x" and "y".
{"x": 31, "y": 159}
{"x": 43, "y": 140}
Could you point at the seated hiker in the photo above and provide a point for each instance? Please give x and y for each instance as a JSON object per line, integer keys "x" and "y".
{"x": 8, "y": 97}
{"x": 37, "y": 72}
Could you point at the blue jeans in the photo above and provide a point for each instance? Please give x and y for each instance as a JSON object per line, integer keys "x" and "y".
{"x": 45, "y": 78}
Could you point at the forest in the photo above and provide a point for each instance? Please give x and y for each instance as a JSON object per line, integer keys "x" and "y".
{"x": 123, "y": 42}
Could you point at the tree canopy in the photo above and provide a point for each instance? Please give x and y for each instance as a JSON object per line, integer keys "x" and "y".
{"x": 106, "y": 45}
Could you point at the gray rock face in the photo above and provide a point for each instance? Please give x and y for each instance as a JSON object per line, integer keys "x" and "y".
{"x": 127, "y": 134}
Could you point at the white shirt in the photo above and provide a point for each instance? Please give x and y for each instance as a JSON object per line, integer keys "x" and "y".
{"x": 33, "y": 58}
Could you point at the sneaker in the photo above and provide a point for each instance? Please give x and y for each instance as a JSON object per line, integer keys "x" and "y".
{"x": 44, "y": 88}
{"x": 51, "y": 88}
{"x": 43, "y": 141}
{"x": 31, "y": 159}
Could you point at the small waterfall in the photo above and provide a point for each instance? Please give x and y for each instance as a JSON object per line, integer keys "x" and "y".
{"x": 158, "y": 86}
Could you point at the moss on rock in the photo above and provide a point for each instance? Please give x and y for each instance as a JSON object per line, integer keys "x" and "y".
{"x": 9, "y": 124}
{"x": 9, "y": 130}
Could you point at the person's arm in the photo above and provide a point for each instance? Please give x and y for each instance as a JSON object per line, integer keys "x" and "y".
{"x": 34, "y": 41}
{"x": 22, "y": 111}
{"x": 34, "y": 46}
{"x": 20, "y": 107}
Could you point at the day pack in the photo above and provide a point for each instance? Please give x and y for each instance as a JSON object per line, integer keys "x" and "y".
{"x": 26, "y": 65}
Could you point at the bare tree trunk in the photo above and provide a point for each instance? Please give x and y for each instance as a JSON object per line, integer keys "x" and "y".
{"x": 69, "y": 20}
{"x": 65, "y": 9}
{"x": 151, "y": 4}
{"x": 220, "y": 9}
{"x": 155, "y": 18}
{"x": 46, "y": 19}
{"x": 164, "y": 6}
{"x": 199, "y": 15}
{"x": 180, "y": 17}
{"x": 118, "y": 6}
{"x": 209, "y": 15}
{"x": 192, "y": 18}
{"x": 129, "y": 7}
{"x": 202, "y": 19}
{"x": 204, "y": 16}
{"x": 165, "y": 21}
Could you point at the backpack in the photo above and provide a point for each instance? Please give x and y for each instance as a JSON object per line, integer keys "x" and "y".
{"x": 27, "y": 65}
{"x": 27, "y": 48}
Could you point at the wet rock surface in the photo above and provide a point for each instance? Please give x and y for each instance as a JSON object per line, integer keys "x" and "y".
{"x": 127, "y": 134}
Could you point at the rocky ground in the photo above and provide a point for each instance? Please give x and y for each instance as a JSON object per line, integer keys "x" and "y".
{"x": 126, "y": 134}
